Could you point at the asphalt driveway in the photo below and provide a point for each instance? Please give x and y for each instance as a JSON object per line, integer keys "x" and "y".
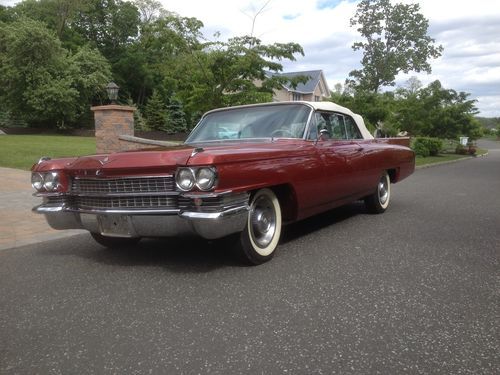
{"x": 415, "y": 290}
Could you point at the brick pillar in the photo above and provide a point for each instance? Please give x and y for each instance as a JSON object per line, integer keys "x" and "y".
{"x": 111, "y": 121}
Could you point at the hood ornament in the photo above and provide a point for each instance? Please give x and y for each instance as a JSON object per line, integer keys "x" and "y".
{"x": 104, "y": 161}
{"x": 43, "y": 158}
{"x": 197, "y": 150}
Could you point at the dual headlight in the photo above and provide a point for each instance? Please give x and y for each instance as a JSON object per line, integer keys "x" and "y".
{"x": 202, "y": 178}
{"x": 48, "y": 181}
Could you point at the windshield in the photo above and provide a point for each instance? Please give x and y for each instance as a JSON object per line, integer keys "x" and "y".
{"x": 272, "y": 121}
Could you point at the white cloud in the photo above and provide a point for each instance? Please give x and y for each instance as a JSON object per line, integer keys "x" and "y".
{"x": 468, "y": 30}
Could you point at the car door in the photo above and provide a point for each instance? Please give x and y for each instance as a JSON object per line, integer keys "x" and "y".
{"x": 365, "y": 169}
{"x": 340, "y": 156}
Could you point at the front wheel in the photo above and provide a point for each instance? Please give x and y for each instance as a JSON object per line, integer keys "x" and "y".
{"x": 115, "y": 242}
{"x": 259, "y": 239}
{"x": 379, "y": 200}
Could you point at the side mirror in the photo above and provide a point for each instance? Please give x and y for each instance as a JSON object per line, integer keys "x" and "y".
{"x": 323, "y": 134}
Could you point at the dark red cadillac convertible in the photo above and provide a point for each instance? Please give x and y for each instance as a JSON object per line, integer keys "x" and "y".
{"x": 243, "y": 171}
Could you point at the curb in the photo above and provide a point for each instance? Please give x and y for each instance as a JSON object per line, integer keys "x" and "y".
{"x": 451, "y": 161}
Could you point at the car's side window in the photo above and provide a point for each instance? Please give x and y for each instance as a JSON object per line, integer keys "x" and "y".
{"x": 352, "y": 130}
{"x": 321, "y": 125}
{"x": 338, "y": 128}
{"x": 313, "y": 128}
{"x": 329, "y": 125}
{"x": 334, "y": 126}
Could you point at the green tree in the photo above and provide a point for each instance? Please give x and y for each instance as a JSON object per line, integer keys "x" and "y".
{"x": 176, "y": 118}
{"x": 410, "y": 114}
{"x": 232, "y": 72}
{"x": 57, "y": 15}
{"x": 110, "y": 25}
{"x": 396, "y": 41}
{"x": 90, "y": 72}
{"x": 436, "y": 112}
{"x": 6, "y": 14}
{"x": 165, "y": 41}
{"x": 449, "y": 113}
{"x": 40, "y": 82}
{"x": 375, "y": 108}
{"x": 156, "y": 112}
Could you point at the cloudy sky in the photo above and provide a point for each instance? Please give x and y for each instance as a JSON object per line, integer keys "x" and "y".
{"x": 468, "y": 30}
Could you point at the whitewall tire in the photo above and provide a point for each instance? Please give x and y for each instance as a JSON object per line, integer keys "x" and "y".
{"x": 261, "y": 235}
{"x": 378, "y": 202}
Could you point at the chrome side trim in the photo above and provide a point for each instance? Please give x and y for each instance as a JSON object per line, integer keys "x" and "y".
{"x": 48, "y": 195}
{"x": 43, "y": 208}
{"x": 207, "y": 195}
{"x": 214, "y": 215}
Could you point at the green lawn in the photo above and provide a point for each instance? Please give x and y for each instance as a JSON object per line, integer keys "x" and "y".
{"x": 22, "y": 151}
{"x": 419, "y": 161}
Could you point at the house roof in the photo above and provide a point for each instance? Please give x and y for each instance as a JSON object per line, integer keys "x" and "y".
{"x": 309, "y": 86}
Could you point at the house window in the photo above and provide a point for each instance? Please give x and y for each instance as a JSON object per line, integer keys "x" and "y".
{"x": 317, "y": 98}
{"x": 296, "y": 96}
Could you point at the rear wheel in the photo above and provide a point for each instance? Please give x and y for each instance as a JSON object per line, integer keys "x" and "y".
{"x": 115, "y": 242}
{"x": 259, "y": 239}
{"x": 379, "y": 200}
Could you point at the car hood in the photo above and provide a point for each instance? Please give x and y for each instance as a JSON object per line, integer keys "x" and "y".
{"x": 166, "y": 159}
{"x": 228, "y": 151}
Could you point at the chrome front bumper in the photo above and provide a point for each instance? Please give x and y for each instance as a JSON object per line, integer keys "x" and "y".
{"x": 148, "y": 223}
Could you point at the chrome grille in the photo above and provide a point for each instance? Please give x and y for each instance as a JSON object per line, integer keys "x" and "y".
{"x": 213, "y": 204}
{"x": 131, "y": 193}
{"x": 55, "y": 200}
{"x": 123, "y": 185}
{"x": 128, "y": 202}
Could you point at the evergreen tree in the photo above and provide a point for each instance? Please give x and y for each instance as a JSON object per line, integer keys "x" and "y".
{"x": 176, "y": 118}
{"x": 156, "y": 112}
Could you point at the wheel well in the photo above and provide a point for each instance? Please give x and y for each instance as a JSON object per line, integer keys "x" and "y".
{"x": 393, "y": 175}
{"x": 288, "y": 201}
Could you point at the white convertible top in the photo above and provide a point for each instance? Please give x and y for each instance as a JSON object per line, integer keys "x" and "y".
{"x": 332, "y": 107}
{"x": 320, "y": 106}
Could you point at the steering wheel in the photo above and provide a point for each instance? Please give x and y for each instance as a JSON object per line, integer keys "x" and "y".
{"x": 282, "y": 133}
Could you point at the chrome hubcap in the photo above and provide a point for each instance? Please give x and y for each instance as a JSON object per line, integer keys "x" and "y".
{"x": 383, "y": 190}
{"x": 263, "y": 222}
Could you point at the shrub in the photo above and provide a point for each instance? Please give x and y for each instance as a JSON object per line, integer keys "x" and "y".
{"x": 420, "y": 149}
{"x": 460, "y": 150}
{"x": 471, "y": 149}
{"x": 426, "y": 146}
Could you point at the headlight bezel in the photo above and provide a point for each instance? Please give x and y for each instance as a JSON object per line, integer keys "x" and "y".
{"x": 37, "y": 181}
{"x": 203, "y": 178}
{"x": 46, "y": 182}
{"x": 187, "y": 173}
{"x": 211, "y": 178}
{"x": 51, "y": 181}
